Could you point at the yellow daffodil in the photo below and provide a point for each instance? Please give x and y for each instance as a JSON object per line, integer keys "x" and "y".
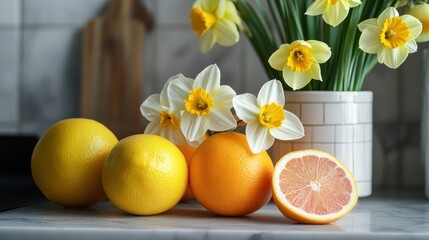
{"x": 334, "y": 11}
{"x": 299, "y": 61}
{"x": 164, "y": 120}
{"x": 215, "y": 21}
{"x": 391, "y": 37}
{"x": 421, "y": 12}
{"x": 265, "y": 117}
{"x": 204, "y": 102}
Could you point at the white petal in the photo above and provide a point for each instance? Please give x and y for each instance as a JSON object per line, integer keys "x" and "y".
{"x": 354, "y": 3}
{"x": 151, "y": 107}
{"x": 315, "y": 72}
{"x": 369, "y": 40}
{"x": 223, "y": 96}
{"x": 258, "y": 137}
{"x": 178, "y": 91}
{"x": 290, "y": 129}
{"x": 414, "y": 25}
{"x": 226, "y": 33}
{"x": 153, "y": 127}
{"x": 271, "y": 91}
{"x": 208, "y": 79}
{"x": 295, "y": 80}
{"x": 393, "y": 58}
{"x": 193, "y": 127}
{"x": 412, "y": 46}
{"x": 372, "y": 22}
{"x": 175, "y": 135}
{"x": 231, "y": 13}
{"x": 221, "y": 120}
{"x": 278, "y": 59}
{"x": 335, "y": 14}
{"x": 221, "y": 8}
{"x": 320, "y": 50}
{"x": 317, "y": 7}
{"x": 164, "y": 98}
{"x": 209, "y": 5}
{"x": 246, "y": 107}
{"x": 389, "y": 12}
{"x": 207, "y": 41}
{"x": 196, "y": 143}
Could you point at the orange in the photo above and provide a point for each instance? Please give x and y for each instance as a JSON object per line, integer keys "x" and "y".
{"x": 227, "y": 178}
{"x": 187, "y": 152}
{"x": 145, "y": 175}
{"x": 311, "y": 186}
{"x": 68, "y": 159}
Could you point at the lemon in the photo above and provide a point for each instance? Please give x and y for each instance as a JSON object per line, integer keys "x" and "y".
{"x": 68, "y": 159}
{"x": 145, "y": 175}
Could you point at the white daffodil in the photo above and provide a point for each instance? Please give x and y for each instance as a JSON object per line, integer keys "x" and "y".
{"x": 391, "y": 37}
{"x": 215, "y": 21}
{"x": 265, "y": 117}
{"x": 164, "y": 120}
{"x": 204, "y": 102}
{"x": 334, "y": 11}
{"x": 299, "y": 61}
{"x": 421, "y": 12}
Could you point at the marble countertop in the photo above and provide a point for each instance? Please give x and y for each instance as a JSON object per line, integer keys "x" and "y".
{"x": 391, "y": 215}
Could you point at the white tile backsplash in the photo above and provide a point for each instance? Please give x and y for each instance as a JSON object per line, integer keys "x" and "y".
{"x": 53, "y": 12}
{"x": 10, "y": 12}
{"x": 178, "y": 52}
{"x": 51, "y": 74}
{"x": 385, "y": 84}
{"x": 9, "y": 128}
{"x": 254, "y": 74}
{"x": 9, "y": 75}
{"x": 174, "y": 12}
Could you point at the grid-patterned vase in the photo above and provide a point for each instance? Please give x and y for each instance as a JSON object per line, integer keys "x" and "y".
{"x": 339, "y": 123}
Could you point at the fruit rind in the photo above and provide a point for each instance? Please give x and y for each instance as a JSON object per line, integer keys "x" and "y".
{"x": 297, "y": 214}
{"x": 145, "y": 175}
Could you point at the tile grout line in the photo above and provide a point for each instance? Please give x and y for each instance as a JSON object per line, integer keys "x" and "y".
{"x": 20, "y": 68}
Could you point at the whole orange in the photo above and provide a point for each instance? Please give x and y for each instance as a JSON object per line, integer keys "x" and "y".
{"x": 187, "y": 152}
{"x": 227, "y": 178}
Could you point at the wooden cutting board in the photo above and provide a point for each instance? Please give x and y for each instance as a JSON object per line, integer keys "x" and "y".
{"x": 112, "y": 67}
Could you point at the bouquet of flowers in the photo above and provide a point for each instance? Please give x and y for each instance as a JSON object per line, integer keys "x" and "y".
{"x": 186, "y": 109}
{"x": 335, "y": 42}
{"x": 295, "y": 46}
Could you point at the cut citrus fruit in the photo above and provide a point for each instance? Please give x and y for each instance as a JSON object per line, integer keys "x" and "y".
{"x": 312, "y": 186}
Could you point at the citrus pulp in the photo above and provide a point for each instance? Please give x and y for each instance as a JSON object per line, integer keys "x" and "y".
{"x": 311, "y": 186}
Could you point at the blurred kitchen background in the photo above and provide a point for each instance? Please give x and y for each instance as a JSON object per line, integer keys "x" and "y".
{"x": 41, "y": 55}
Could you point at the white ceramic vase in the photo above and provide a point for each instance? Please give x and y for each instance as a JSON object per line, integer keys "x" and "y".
{"x": 339, "y": 123}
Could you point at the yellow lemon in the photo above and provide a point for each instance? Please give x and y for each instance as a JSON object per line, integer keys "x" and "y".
{"x": 145, "y": 175}
{"x": 68, "y": 159}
